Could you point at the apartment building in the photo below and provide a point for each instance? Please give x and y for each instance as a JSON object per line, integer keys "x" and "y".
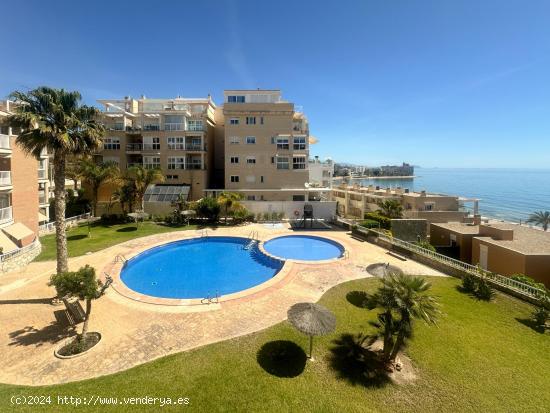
{"x": 321, "y": 172}
{"x": 266, "y": 146}
{"x": 175, "y": 135}
{"x": 21, "y": 181}
{"x": 504, "y": 248}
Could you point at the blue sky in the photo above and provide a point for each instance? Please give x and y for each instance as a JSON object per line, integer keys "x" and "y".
{"x": 435, "y": 83}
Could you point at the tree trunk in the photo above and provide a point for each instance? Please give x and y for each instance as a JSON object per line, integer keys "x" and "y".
{"x": 388, "y": 321}
{"x": 397, "y": 346}
{"x": 85, "y": 325}
{"x": 60, "y": 204}
{"x": 94, "y": 200}
{"x": 75, "y": 183}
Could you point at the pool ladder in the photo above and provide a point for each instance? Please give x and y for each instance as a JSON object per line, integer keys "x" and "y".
{"x": 211, "y": 300}
{"x": 203, "y": 233}
{"x": 120, "y": 258}
{"x": 252, "y": 240}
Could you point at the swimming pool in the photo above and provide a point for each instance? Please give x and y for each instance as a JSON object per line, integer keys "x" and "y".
{"x": 199, "y": 268}
{"x": 304, "y": 247}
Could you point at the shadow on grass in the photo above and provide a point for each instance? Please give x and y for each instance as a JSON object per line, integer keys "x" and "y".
{"x": 76, "y": 237}
{"x": 127, "y": 229}
{"x": 356, "y": 364}
{"x": 472, "y": 294}
{"x": 52, "y": 333}
{"x": 532, "y": 325}
{"x": 282, "y": 358}
{"x": 357, "y": 298}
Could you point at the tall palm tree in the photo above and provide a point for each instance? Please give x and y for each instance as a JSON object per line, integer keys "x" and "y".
{"x": 143, "y": 177}
{"x": 391, "y": 208}
{"x": 96, "y": 174}
{"x": 54, "y": 119}
{"x": 402, "y": 298}
{"x": 229, "y": 200}
{"x": 541, "y": 218}
{"x": 126, "y": 194}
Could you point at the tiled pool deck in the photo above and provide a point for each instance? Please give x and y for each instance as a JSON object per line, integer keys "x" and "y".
{"x": 135, "y": 331}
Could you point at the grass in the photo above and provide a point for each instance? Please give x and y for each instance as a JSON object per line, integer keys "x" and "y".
{"x": 102, "y": 236}
{"x": 480, "y": 358}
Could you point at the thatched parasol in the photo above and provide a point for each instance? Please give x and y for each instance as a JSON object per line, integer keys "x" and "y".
{"x": 311, "y": 319}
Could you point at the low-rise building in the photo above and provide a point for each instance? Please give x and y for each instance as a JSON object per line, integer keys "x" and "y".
{"x": 503, "y": 248}
{"x": 321, "y": 172}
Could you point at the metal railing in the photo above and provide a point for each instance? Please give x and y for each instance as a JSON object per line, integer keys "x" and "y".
{"x": 19, "y": 251}
{"x": 5, "y": 178}
{"x": 174, "y": 126}
{"x": 469, "y": 268}
{"x": 134, "y": 146}
{"x": 4, "y": 141}
{"x": 50, "y": 226}
{"x": 6, "y": 214}
{"x": 42, "y": 174}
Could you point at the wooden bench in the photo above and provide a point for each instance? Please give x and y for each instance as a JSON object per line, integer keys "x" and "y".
{"x": 74, "y": 311}
{"x": 399, "y": 257}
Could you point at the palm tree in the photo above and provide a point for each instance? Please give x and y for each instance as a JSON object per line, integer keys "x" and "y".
{"x": 541, "y": 218}
{"x": 74, "y": 173}
{"x": 54, "y": 119}
{"x": 97, "y": 174}
{"x": 391, "y": 208}
{"x": 126, "y": 194}
{"x": 229, "y": 200}
{"x": 143, "y": 177}
{"x": 402, "y": 299}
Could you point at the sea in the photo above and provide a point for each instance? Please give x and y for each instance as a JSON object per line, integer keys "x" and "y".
{"x": 505, "y": 194}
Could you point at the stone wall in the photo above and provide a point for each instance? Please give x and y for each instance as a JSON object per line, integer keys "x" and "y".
{"x": 409, "y": 229}
{"x": 22, "y": 259}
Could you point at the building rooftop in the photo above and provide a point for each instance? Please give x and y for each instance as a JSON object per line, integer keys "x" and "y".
{"x": 525, "y": 240}
{"x": 458, "y": 227}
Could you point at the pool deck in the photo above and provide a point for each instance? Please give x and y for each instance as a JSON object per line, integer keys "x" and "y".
{"x": 136, "y": 332}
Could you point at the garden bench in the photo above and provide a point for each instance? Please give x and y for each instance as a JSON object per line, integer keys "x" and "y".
{"x": 74, "y": 311}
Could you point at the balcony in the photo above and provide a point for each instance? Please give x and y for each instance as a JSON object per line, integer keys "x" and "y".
{"x": 42, "y": 174}
{"x": 195, "y": 128}
{"x": 193, "y": 165}
{"x": 6, "y": 215}
{"x": 186, "y": 147}
{"x": 174, "y": 126}
{"x": 134, "y": 147}
{"x": 5, "y": 143}
{"x": 5, "y": 179}
{"x": 151, "y": 128}
{"x": 42, "y": 199}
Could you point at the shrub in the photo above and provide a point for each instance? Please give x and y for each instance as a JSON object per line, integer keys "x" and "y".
{"x": 484, "y": 290}
{"x": 529, "y": 281}
{"x": 259, "y": 217}
{"x": 384, "y": 222}
{"x": 209, "y": 208}
{"x": 369, "y": 223}
{"x": 541, "y": 316}
{"x": 274, "y": 216}
{"x": 426, "y": 245}
{"x": 469, "y": 283}
{"x": 266, "y": 216}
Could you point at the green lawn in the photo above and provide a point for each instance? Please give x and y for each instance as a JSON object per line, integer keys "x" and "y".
{"x": 479, "y": 358}
{"x": 102, "y": 236}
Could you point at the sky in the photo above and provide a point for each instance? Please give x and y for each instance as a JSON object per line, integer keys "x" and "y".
{"x": 439, "y": 83}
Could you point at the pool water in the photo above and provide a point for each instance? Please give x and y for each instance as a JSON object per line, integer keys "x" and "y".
{"x": 199, "y": 268}
{"x": 304, "y": 247}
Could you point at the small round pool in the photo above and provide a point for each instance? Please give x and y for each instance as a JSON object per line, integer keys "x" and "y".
{"x": 199, "y": 268}
{"x": 304, "y": 248}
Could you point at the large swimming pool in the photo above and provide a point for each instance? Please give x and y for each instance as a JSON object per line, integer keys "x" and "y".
{"x": 199, "y": 268}
{"x": 304, "y": 248}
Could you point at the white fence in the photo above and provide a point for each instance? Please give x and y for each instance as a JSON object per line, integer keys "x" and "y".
{"x": 50, "y": 226}
{"x": 19, "y": 251}
{"x": 292, "y": 209}
{"x": 494, "y": 278}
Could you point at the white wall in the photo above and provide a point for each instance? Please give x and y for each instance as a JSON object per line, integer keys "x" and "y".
{"x": 321, "y": 209}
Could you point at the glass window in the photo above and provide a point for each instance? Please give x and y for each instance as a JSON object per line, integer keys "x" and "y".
{"x": 300, "y": 143}
{"x": 151, "y": 143}
{"x": 234, "y": 121}
{"x": 111, "y": 143}
{"x": 251, "y": 120}
{"x": 299, "y": 162}
{"x": 250, "y": 140}
{"x": 235, "y": 99}
{"x": 176, "y": 143}
{"x": 234, "y": 159}
{"x": 194, "y": 125}
{"x": 251, "y": 197}
{"x": 251, "y": 160}
{"x": 250, "y": 179}
{"x": 282, "y": 143}
{"x": 176, "y": 162}
{"x": 282, "y": 163}
{"x": 234, "y": 140}
{"x": 234, "y": 178}
{"x": 151, "y": 162}
{"x": 298, "y": 197}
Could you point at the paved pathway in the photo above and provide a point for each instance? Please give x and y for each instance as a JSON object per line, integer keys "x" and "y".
{"x": 134, "y": 332}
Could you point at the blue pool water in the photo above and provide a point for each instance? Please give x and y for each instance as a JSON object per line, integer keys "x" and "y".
{"x": 199, "y": 268}
{"x": 304, "y": 247}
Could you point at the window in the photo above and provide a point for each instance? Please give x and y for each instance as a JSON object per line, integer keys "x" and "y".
{"x": 235, "y": 99}
{"x": 251, "y": 160}
{"x": 176, "y": 162}
{"x": 300, "y": 143}
{"x": 194, "y": 125}
{"x": 151, "y": 162}
{"x": 234, "y": 178}
{"x": 282, "y": 143}
{"x": 234, "y": 159}
{"x": 250, "y": 179}
{"x": 251, "y": 197}
{"x": 250, "y": 140}
{"x": 262, "y": 179}
{"x": 173, "y": 122}
{"x": 282, "y": 163}
{"x": 251, "y": 120}
{"x": 272, "y": 159}
{"x": 299, "y": 162}
{"x": 111, "y": 143}
{"x": 151, "y": 143}
{"x": 298, "y": 197}
{"x": 234, "y": 121}
{"x": 177, "y": 143}
{"x": 261, "y": 120}
{"x": 171, "y": 177}
{"x": 234, "y": 140}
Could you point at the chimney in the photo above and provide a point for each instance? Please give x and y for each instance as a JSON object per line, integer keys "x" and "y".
{"x": 477, "y": 219}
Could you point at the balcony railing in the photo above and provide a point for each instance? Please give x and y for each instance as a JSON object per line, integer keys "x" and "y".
{"x": 134, "y": 147}
{"x": 195, "y": 128}
{"x": 193, "y": 165}
{"x": 4, "y": 142}
{"x": 174, "y": 126}
{"x": 42, "y": 199}
{"x": 5, "y": 214}
{"x": 42, "y": 174}
{"x": 186, "y": 147}
{"x": 147, "y": 128}
{"x": 5, "y": 178}
{"x": 151, "y": 146}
